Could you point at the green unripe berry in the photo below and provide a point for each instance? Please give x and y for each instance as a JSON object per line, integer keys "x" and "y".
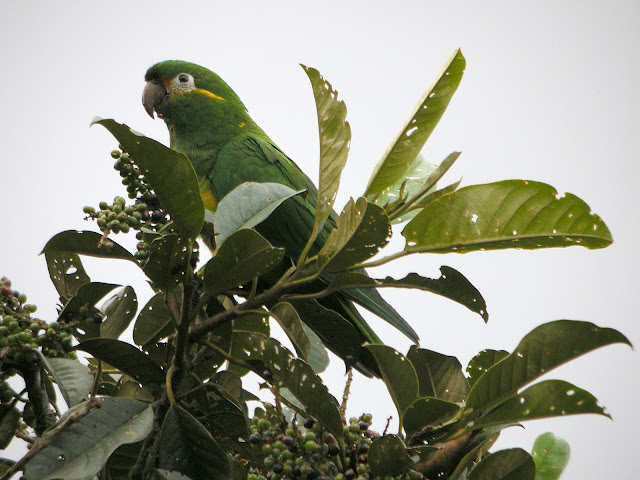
{"x": 124, "y": 156}
{"x": 264, "y": 424}
{"x": 35, "y": 327}
{"x": 4, "y": 331}
{"x": 89, "y": 210}
{"x": 269, "y": 462}
{"x": 117, "y": 208}
{"x": 141, "y": 255}
{"x": 119, "y": 200}
{"x": 32, "y": 308}
{"x": 115, "y": 154}
{"x": 310, "y": 446}
{"x": 309, "y": 436}
{"x": 103, "y": 205}
{"x": 306, "y": 469}
{"x": 133, "y": 221}
{"x": 6, "y": 320}
{"x": 354, "y": 427}
{"x": 129, "y": 210}
{"x": 22, "y": 298}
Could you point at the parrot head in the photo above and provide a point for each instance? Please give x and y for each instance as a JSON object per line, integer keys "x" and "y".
{"x": 186, "y": 95}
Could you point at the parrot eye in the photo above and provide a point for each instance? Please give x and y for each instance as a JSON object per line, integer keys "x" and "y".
{"x": 183, "y": 78}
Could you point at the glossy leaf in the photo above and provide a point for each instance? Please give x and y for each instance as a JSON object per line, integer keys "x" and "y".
{"x": 541, "y": 350}
{"x": 439, "y": 376}
{"x": 154, "y": 322}
{"x": 414, "y": 134}
{"x": 167, "y": 260}
{"x": 244, "y": 256}
{"x": 507, "y": 214}
{"x": 551, "y": 456}
{"x": 9, "y": 422}
{"x": 126, "y": 358}
{"x": 512, "y": 464}
{"x": 550, "y": 398}
{"x": 398, "y": 374}
{"x": 388, "y": 456}
{"x": 451, "y": 284}
{"x": 335, "y": 137}
{"x": 168, "y": 172}
{"x": 118, "y": 312}
{"x": 289, "y": 320}
{"x": 299, "y": 378}
{"x": 80, "y": 444}
{"x": 363, "y": 229}
{"x": 318, "y": 358}
{"x": 72, "y": 377}
{"x": 427, "y": 413}
{"x": 185, "y": 446}
{"x": 482, "y": 362}
{"x": 246, "y": 206}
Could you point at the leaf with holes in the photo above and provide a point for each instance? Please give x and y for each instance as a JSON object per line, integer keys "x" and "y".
{"x": 507, "y": 214}
{"x": 541, "y": 350}
{"x": 482, "y": 362}
{"x": 512, "y": 464}
{"x": 451, "y": 284}
{"x": 335, "y": 137}
{"x": 79, "y": 445}
{"x": 86, "y": 243}
{"x": 244, "y": 256}
{"x": 363, "y": 229}
{"x": 439, "y": 376}
{"x": 185, "y": 446}
{"x": 72, "y": 377}
{"x": 551, "y": 455}
{"x": 551, "y": 398}
{"x": 154, "y": 322}
{"x": 428, "y": 413}
{"x": 167, "y": 261}
{"x": 118, "y": 312}
{"x": 126, "y": 358}
{"x": 246, "y": 206}
{"x": 399, "y": 376}
{"x": 298, "y": 377}
{"x": 414, "y": 134}
{"x": 251, "y": 323}
{"x": 289, "y": 320}
{"x": 168, "y": 172}
{"x": 388, "y": 456}
{"x": 86, "y": 298}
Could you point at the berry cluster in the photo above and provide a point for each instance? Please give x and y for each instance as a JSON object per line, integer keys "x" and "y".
{"x": 145, "y": 213}
{"x": 21, "y": 334}
{"x": 307, "y": 452}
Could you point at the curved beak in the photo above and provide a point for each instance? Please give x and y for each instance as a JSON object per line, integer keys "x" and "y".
{"x": 152, "y": 95}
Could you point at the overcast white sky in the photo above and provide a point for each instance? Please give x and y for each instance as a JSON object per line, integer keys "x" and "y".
{"x": 550, "y": 94}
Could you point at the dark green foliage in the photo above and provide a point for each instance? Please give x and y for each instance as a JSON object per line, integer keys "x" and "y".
{"x": 175, "y": 407}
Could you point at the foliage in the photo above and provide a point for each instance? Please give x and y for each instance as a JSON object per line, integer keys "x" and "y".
{"x": 173, "y": 406}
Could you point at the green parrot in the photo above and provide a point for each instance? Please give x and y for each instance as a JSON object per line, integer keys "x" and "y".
{"x": 208, "y": 123}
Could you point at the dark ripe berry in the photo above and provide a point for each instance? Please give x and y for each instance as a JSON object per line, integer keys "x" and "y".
{"x": 288, "y": 440}
{"x": 309, "y": 422}
{"x": 255, "y": 439}
{"x": 363, "y": 425}
{"x": 296, "y": 471}
{"x": 267, "y": 375}
{"x": 316, "y": 457}
{"x": 6, "y": 290}
{"x": 333, "y": 450}
{"x": 350, "y": 474}
{"x": 363, "y": 448}
{"x": 97, "y": 317}
{"x": 277, "y": 468}
{"x": 157, "y": 216}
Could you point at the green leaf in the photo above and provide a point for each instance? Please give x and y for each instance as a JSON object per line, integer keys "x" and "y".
{"x": 118, "y": 312}
{"x": 251, "y": 323}
{"x": 388, "y": 456}
{"x": 185, "y": 446}
{"x": 81, "y": 442}
{"x": 398, "y": 375}
{"x": 439, "y": 376}
{"x": 541, "y": 350}
{"x": 154, "y": 322}
{"x": 428, "y": 413}
{"x": 88, "y": 295}
{"x": 407, "y": 145}
{"x": 299, "y": 378}
{"x": 318, "y": 358}
{"x": 551, "y": 398}
{"x": 122, "y": 460}
{"x": 482, "y": 362}
{"x": 72, "y": 377}
{"x": 288, "y": 319}
{"x": 246, "y": 206}
{"x": 168, "y": 172}
{"x": 126, "y": 358}
{"x": 335, "y": 137}
{"x": 167, "y": 260}
{"x": 244, "y": 256}
{"x": 9, "y": 423}
{"x": 512, "y": 464}
{"x": 67, "y": 273}
{"x": 451, "y": 284}
{"x": 167, "y": 475}
{"x": 551, "y": 456}
{"x": 363, "y": 229}
{"x": 507, "y": 214}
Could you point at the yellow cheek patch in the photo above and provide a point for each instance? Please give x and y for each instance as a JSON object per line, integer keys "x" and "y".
{"x": 207, "y": 93}
{"x": 241, "y": 124}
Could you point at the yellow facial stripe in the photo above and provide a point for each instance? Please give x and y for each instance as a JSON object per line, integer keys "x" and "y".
{"x": 207, "y": 93}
